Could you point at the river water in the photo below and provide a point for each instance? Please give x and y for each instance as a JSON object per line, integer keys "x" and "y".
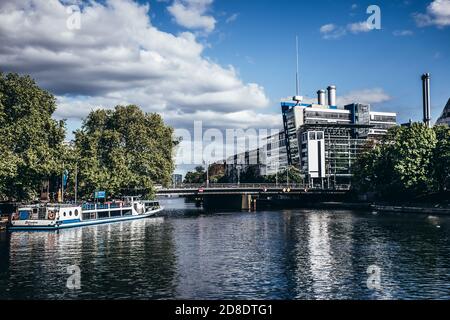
{"x": 190, "y": 254}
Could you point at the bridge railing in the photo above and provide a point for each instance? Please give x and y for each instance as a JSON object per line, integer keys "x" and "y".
{"x": 254, "y": 186}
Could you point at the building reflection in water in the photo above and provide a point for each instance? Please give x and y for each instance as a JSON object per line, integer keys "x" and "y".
{"x": 230, "y": 256}
{"x": 292, "y": 254}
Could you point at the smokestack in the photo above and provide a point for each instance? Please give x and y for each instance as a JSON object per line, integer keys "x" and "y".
{"x": 426, "y": 99}
{"x": 321, "y": 97}
{"x": 331, "y": 95}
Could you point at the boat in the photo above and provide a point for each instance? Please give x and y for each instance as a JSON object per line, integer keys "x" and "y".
{"x": 61, "y": 216}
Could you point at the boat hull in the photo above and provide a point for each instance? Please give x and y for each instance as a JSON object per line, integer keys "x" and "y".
{"x": 81, "y": 223}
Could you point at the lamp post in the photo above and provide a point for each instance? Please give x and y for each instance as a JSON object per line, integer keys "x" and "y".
{"x": 239, "y": 174}
{"x": 276, "y": 174}
{"x": 62, "y": 184}
{"x": 207, "y": 174}
{"x": 76, "y": 182}
{"x": 206, "y": 163}
{"x": 287, "y": 176}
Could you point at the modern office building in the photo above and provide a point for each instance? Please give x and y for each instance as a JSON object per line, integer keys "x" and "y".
{"x": 241, "y": 162}
{"x": 177, "y": 179}
{"x": 324, "y": 140}
{"x": 445, "y": 116}
{"x": 276, "y": 154}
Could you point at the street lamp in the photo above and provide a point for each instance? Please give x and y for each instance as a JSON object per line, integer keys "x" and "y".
{"x": 287, "y": 176}
{"x": 276, "y": 173}
{"x": 239, "y": 174}
{"x": 206, "y": 163}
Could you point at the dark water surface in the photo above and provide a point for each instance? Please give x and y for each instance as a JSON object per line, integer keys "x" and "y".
{"x": 187, "y": 254}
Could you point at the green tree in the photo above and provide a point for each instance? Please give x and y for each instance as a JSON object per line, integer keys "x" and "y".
{"x": 400, "y": 166}
{"x": 196, "y": 176}
{"x": 441, "y": 158}
{"x": 293, "y": 172}
{"x": 123, "y": 152}
{"x": 30, "y": 140}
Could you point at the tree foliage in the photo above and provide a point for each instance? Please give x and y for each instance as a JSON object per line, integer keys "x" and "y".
{"x": 197, "y": 176}
{"x": 441, "y": 158}
{"x": 31, "y": 146}
{"x": 292, "y": 172}
{"x": 409, "y": 162}
{"x": 123, "y": 152}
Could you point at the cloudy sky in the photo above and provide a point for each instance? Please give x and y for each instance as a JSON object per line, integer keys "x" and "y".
{"x": 226, "y": 62}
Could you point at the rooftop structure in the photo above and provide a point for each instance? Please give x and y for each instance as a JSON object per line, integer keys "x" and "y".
{"x": 445, "y": 116}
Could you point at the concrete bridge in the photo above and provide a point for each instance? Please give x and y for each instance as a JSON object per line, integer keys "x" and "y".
{"x": 249, "y": 196}
{"x": 247, "y": 188}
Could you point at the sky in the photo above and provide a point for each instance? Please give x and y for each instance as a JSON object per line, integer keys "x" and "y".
{"x": 227, "y": 62}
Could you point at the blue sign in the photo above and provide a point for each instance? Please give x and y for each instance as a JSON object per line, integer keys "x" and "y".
{"x": 65, "y": 177}
{"x": 100, "y": 195}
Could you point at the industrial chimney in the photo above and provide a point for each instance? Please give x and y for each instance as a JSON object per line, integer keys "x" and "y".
{"x": 426, "y": 99}
{"x": 321, "y": 97}
{"x": 331, "y": 95}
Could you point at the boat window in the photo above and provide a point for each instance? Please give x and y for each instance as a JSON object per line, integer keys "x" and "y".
{"x": 70, "y": 213}
{"x": 64, "y": 214}
{"x": 76, "y": 212}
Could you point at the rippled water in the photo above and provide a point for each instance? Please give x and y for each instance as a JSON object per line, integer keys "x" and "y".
{"x": 188, "y": 254}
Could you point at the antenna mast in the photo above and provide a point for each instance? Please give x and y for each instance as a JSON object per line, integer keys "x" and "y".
{"x": 297, "y": 89}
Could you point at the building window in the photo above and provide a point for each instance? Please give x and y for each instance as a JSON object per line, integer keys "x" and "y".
{"x": 312, "y": 135}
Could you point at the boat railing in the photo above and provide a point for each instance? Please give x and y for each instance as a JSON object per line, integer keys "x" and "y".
{"x": 104, "y": 206}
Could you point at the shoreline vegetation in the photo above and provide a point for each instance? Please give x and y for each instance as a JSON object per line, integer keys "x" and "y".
{"x": 122, "y": 151}
{"x": 125, "y": 151}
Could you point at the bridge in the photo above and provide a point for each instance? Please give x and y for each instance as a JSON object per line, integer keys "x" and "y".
{"x": 245, "y": 196}
{"x": 247, "y": 188}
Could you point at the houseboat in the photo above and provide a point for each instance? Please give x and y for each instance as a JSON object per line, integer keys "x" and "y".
{"x": 61, "y": 216}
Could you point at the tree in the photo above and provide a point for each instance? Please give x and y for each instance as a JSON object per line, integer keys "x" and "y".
{"x": 401, "y": 166}
{"x": 197, "y": 176}
{"x": 124, "y": 152}
{"x": 441, "y": 158}
{"x": 30, "y": 140}
{"x": 294, "y": 174}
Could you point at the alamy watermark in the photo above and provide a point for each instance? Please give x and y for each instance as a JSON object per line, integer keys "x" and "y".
{"x": 374, "y": 21}
{"x": 374, "y": 279}
{"x": 74, "y": 280}
{"x": 73, "y": 21}
{"x": 239, "y": 146}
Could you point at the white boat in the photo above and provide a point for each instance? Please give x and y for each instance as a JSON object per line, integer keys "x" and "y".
{"x": 60, "y": 216}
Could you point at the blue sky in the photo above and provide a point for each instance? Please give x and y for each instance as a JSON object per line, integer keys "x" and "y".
{"x": 227, "y": 62}
{"x": 260, "y": 43}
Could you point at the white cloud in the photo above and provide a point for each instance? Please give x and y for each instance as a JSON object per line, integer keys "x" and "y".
{"x": 331, "y": 31}
{"x": 367, "y": 96}
{"x": 327, "y": 28}
{"x": 191, "y": 14}
{"x": 232, "y": 18}
{"x": 402, "y": 33}
{"x": 437, "y": 14}
{"x": 359, "y": 27}
{"x": 119, "y": 57}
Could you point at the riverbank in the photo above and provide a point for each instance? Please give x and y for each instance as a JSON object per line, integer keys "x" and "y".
{"x": 3, "y": 223}
{"x": 275, "y": 204}
{"x": 411, "y": 209}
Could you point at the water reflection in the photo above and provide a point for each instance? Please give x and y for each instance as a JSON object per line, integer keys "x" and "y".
{"x": 297, "y": 254}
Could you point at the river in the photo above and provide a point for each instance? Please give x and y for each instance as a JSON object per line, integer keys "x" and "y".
{"x": 191, "y": 254}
